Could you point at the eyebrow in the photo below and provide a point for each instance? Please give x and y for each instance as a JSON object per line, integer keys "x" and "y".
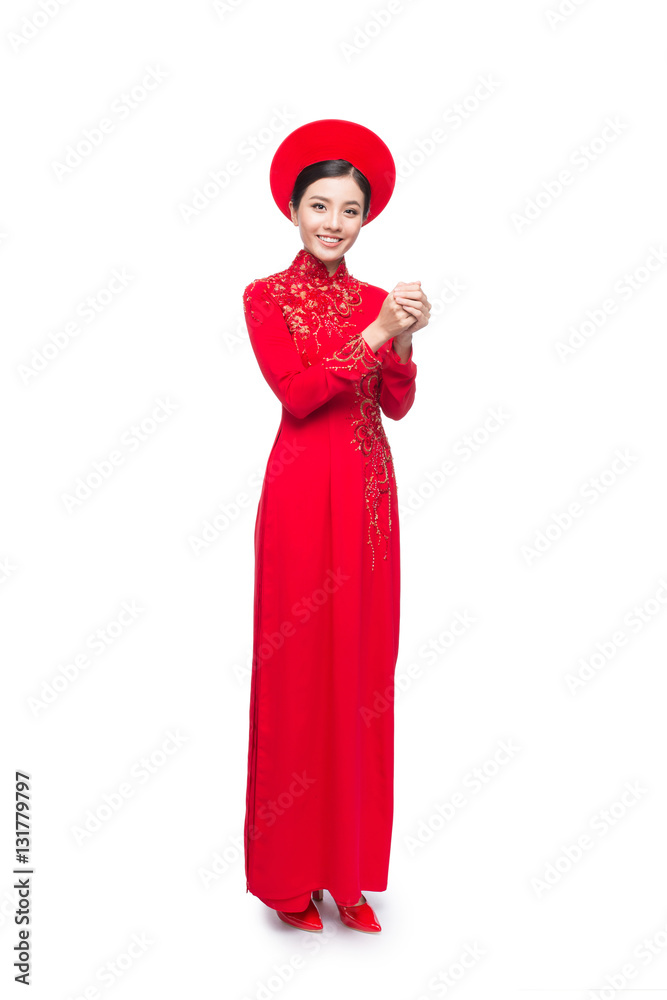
{"x": 320, "y": 198}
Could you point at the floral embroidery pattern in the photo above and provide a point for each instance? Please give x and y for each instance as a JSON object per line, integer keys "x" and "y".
{"x": 371, "y": 440}
{"x": 313, "y": 303}
{"x": 316, "y": 304}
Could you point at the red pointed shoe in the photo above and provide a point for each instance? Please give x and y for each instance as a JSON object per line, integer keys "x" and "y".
{"x": 360, "y": 916}
{"x": 306, "y": 920}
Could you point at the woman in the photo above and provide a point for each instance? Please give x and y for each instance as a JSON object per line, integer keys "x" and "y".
{"x": 337, "y": 352}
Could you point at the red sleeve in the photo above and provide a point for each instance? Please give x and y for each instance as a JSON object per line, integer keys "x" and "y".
{"x": 299, "y": 388}
{"x": 398, "y": 382}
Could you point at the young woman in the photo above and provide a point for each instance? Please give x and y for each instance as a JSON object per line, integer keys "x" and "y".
{"x": 337, "y": 352}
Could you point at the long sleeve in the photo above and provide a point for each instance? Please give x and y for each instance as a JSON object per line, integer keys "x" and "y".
{"x": 299, "y": 388}
{"x": 398, "y": 382}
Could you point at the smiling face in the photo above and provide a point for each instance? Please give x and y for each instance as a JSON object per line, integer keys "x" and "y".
{"x": 330, "y": 207}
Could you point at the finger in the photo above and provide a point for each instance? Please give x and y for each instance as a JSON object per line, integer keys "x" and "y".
{"x": 406, "y": 297}
{"x": 406, "y": 304}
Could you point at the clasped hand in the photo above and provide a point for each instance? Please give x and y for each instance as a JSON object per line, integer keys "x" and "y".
{"x": 404, "y": 311}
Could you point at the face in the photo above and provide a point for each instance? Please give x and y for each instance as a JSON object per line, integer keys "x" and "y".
{"x": 332, "y": 206}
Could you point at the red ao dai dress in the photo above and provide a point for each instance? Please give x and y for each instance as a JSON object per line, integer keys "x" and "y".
{"x": 319, "y": 798}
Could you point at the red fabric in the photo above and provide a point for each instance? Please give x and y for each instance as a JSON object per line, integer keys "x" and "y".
{"x": 319, "y": 800}
{"x": 333, "y": 139}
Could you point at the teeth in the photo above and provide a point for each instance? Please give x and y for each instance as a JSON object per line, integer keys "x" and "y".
{"x": 330, "y": 239}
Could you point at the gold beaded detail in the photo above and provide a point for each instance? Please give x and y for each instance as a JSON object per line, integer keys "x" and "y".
{"x": 371, "y": 440}
{"x": 315, "y": 303}
{"x": 369, "y": 436}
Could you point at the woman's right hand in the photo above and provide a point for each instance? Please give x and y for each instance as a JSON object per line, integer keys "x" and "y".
{"x": 393, "y": 318}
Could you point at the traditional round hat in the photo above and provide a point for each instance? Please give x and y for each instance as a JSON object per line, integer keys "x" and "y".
{"x": 333, "y": 139}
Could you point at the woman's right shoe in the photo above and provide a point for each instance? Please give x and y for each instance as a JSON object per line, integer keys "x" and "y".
{"x": 306, "y": 920}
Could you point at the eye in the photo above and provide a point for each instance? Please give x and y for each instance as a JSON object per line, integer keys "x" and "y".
{"x": 318, "y": 204}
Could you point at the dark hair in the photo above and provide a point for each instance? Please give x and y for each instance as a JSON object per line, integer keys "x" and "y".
{"x": 331, "y": 168}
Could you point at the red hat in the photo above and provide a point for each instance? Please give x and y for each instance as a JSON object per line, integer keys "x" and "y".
{"x": 333, "y": 139}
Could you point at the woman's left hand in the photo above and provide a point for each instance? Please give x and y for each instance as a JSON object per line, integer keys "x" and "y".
{"x": 411, "y": 297}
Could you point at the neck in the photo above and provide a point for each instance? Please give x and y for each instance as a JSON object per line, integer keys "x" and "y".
{"x": 331, "y": 265}
{"x": 307, "y": 265}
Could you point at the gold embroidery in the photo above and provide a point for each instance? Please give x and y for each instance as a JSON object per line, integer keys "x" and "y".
{"x": 314, "y": 302}
{"x": 353, "y": 352}
{"x": 250, "y": 301}
{"x": 371, "y": 440}
{"x": 369, "y": 435}
{"x": 313, "y": 305}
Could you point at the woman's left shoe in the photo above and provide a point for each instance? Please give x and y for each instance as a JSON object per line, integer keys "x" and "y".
{"x": 360, "y": 916}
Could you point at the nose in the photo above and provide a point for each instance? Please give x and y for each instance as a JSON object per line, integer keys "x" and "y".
{"x": 332, "y": 224}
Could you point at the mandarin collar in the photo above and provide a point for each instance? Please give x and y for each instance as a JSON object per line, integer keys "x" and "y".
{"x": 306, "y": 265}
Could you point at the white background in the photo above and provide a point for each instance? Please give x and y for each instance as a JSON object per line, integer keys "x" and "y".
{"x": 173, "y": 333}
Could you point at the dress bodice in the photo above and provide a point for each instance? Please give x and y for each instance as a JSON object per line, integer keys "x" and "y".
{"x": 323, "y": 316}
{"x": 317, "y": 306}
